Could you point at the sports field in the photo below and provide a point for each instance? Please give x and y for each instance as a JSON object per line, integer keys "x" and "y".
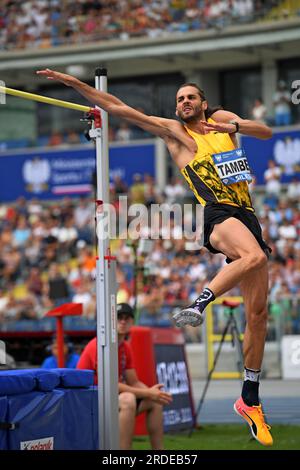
{"x": 226, "y": 437}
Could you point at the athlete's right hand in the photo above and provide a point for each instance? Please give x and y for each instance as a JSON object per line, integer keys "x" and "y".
{"x": 60, "y": 77}
{"x": 159, "y": 396}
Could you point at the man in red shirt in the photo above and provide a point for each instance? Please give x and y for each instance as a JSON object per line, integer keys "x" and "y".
{"x": 134, "y": 396}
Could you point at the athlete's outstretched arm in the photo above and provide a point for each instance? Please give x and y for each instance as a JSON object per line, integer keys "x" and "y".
{"x": 110, "y": 103}
{"x": 246, "y": 126}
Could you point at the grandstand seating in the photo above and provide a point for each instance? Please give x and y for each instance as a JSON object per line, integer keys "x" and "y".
{"x": 39, "y": 25}
{"x": 285, "y": 9}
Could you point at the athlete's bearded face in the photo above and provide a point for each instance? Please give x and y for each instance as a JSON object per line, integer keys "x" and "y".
{"x": 189, "y": 105}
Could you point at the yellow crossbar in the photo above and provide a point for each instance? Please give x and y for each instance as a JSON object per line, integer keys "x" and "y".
{"x": 44, "y": 99}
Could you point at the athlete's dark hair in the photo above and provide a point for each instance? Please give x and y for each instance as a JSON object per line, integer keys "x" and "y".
{"x": 209, "y": 111}
{"x": 194, "y": 85}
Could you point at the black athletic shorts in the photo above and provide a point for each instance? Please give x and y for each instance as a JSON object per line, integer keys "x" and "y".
{"x": 215, "y": 213}
{"x": 138, "y": 402}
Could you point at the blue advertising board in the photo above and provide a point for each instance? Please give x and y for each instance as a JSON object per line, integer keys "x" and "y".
{"x": 283, "y": 148}
{"x": 54, "y": 173}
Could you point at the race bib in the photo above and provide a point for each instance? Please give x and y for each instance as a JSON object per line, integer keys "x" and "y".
{"x": 232, "y": 166}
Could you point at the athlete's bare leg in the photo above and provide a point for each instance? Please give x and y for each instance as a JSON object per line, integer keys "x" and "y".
{"x": 127, "y": 409}
{"x": 254, "y": 289}
{"x": 154, "y": 419}
{"x": 235, "y": 240}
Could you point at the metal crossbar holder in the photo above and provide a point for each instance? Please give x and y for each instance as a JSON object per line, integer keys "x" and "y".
{"x": 95, "y": 133}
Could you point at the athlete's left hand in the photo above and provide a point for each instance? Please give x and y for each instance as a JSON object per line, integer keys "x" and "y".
{"x": 224, "y": 127}
{"x": 60, "y": 77}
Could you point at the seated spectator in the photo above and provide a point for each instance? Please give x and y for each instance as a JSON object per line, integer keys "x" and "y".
{"x": 71, "y": 358}
{"x": 11, "y": 259}
{"x": 175, "y": 191}
{"x": 67, "y": 236}
{"x": 34, "y": 282}
{"x": 124, "y": 133}
{"x": 72, "y": 138}
{"x": 83, "y": 217}
{"x": 282, "y": 107}
{"x": 87, "y": 260}
{"x": 57, "y": 286}
{"x": 56, "y": 138}
{"x": 119, "y": 185}
{"x": 293, "y": 190}
{"x": 83, "y": 295}
{"x": 273, "y": 185}
{"x": 22, "y": 232}
{"x": 152, "y": 300}
{"x": 134, "y": 396}
{"x": 287, "y": 231}
{"x": 137, "y": 190}
{"x": 259, "y": 111}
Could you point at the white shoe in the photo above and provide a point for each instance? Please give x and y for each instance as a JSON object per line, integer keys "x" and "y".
{"x": 188, "y": 316}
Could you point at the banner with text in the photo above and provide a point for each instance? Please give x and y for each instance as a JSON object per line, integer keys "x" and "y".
{"x": 283, "y": 148}
{"x": 50, "y": 174}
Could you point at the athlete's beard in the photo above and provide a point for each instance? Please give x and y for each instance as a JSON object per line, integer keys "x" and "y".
{"x": 197, "y": 116}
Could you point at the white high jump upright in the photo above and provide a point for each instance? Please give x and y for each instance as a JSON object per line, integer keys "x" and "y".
{"x": 107, "y": 344}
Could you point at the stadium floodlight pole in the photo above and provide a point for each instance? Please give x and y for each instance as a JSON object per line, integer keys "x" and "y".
{"x": 107, "y": 337}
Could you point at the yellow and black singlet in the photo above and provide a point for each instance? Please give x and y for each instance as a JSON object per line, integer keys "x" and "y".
{"x": 202, "y": 175}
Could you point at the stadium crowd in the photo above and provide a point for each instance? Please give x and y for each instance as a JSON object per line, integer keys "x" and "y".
{"x": 50, "y": 23}
{"x": 47, "y": 256}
